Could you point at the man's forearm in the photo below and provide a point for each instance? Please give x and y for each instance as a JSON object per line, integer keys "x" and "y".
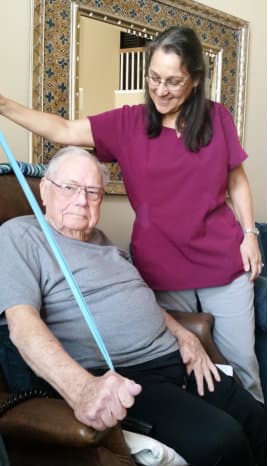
{"x": 99, "y": 402}
{"x": 173, "y": 325}
{"x": 44, "y": 353}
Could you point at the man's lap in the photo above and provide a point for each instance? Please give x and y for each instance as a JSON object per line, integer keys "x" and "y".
{"x": 186, "y": 422}
{"x": 178, "y": 416}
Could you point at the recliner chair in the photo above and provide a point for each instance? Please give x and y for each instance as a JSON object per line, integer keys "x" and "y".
{"x": 44, "y": 431}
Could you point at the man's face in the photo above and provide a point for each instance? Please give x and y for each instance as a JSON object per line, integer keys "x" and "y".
{"x": 69, "y": 208}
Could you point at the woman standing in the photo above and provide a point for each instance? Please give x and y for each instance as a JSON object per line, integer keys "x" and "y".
{"x": 179, "y": 154}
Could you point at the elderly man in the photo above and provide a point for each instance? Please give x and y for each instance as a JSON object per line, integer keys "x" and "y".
{"x": 162, "y": 374}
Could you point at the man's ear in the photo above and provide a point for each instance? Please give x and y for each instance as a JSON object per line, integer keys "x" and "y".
{"x": 43, "y": 190}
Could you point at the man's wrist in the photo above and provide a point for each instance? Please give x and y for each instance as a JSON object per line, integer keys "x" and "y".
{"x": 180, "y": 332}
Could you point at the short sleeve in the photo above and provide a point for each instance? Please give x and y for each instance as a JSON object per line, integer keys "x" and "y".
{"x": 236, "y": 153}
{"x": 111, "y": 130}
{"x": 19, "y": 271}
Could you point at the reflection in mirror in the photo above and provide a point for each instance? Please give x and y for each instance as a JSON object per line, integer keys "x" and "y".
{"x": 111, "y": 68}
{"x": 99, "y": 62}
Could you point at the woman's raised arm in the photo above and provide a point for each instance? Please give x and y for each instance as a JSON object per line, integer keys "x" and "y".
{"x": 52, "y": 127}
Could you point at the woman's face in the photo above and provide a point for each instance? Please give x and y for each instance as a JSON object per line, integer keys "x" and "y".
{"x": 169, "y": 82}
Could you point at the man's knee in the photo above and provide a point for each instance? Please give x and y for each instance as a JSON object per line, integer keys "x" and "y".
{"x": 227, "y": 446}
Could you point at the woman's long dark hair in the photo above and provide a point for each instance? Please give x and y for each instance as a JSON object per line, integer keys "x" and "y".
{"x": 193, "y": 121}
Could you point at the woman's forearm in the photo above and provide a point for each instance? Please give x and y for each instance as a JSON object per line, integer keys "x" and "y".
{"x": 52, "y": 127}
{"x": 241, "y": 198}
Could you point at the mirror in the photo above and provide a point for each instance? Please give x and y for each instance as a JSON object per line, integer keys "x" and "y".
{"x": 101, "y": 87}
{"x": 63, "y": 57}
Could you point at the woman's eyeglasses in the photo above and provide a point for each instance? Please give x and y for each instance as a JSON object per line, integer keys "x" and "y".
{"x": 171, "y": 84}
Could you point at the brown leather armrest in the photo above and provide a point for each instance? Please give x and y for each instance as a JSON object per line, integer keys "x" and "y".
{"x": 201, "y": 324}
{"x": 47, "y": 427}
{"x": 13, "y": 201}
{"x": 49, "y": 421}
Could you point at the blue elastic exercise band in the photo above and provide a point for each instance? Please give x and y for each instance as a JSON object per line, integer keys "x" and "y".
{"x": 57, "y": 252}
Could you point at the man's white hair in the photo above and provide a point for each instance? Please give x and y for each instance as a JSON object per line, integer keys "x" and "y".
{"x": 73, "y": 150}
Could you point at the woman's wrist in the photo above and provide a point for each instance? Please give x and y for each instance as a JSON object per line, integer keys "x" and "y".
{"x": 251, "y": 231}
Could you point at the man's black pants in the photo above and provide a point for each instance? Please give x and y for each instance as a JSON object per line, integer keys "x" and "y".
{"x": 225, "y": 428}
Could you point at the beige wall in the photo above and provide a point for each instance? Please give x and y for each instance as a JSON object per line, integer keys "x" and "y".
{"x": 99, "y": 83}
{"x": 15, "y": 59}
{"x": 255, "y": 141}
{"x": 117, "y": 215}
{"x": 98, "y": 66}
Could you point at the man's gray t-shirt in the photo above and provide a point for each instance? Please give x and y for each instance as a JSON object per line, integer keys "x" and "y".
{"x": 125, "y": 311}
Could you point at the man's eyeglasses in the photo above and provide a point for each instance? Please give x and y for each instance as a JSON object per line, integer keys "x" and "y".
{"x": 171, "y": 84}
{"x": 70, "y": 190}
